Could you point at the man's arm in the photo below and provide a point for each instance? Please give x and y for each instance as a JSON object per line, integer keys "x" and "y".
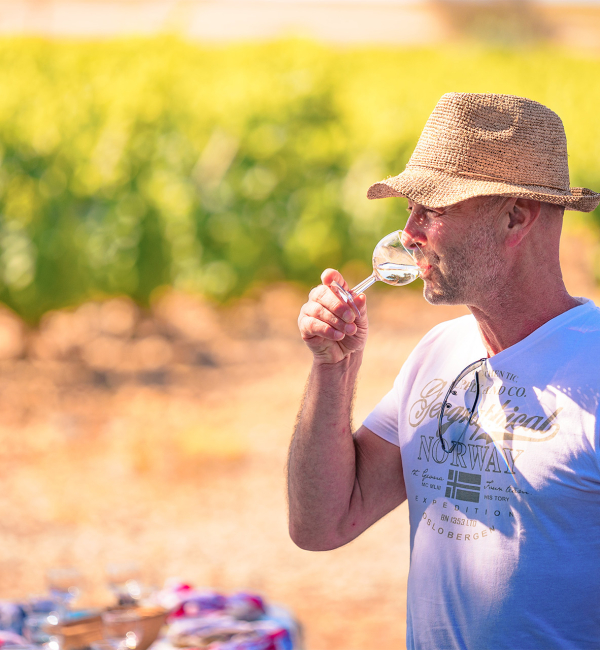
{"x": 339, "y": 484}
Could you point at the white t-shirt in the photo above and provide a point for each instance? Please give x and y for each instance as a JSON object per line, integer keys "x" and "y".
{"x": 505, "y": 531}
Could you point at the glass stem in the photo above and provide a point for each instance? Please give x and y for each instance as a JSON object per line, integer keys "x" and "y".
{"x": 364, "y": 285}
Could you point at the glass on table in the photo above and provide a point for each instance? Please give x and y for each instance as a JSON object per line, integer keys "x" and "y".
{"x": 64, "y": 585}
{"x": 393, "y": 263}
{"x": 123, "y": 579}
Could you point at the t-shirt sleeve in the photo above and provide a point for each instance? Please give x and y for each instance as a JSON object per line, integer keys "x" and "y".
{"x": 383, "y": 419}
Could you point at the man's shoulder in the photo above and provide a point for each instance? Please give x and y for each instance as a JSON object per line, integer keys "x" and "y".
{"x": 581, "y": 323}
{"x": 580, "y": 332}
{"x": 588, "y": 312}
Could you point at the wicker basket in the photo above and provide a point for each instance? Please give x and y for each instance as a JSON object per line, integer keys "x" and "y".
{"x": 83, "y": 632}
{"x": 79, "y": 633}
{"x": 152, "y": 619}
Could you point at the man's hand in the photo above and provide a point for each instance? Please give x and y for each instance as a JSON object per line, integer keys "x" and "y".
{"x": 328, "y": 326}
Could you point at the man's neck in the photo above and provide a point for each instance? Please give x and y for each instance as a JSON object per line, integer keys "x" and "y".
{"x": 516, "y": 317}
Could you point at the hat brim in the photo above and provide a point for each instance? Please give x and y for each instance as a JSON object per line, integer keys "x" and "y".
{"x": 437, "y": 189}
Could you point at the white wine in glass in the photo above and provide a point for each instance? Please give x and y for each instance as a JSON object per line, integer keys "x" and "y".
{"x": 392, "y": 264}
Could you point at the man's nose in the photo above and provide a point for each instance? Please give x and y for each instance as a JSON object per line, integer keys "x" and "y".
{"x": 413, "y": 235}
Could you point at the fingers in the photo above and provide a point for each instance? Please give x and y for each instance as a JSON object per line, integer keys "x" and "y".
{"x": 331, "y": 275}
{"x": 326, "y": 316}
{"x": 311, "y": 328}
{"x": 317, "y": 320}
{"x": 323, "y": 296}
{"x": 328, "y": 325}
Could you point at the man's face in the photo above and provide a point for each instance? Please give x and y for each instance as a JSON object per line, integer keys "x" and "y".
{"x": 462, "y": 254}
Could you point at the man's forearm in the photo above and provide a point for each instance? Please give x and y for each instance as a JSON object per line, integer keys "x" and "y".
{"x": 322, "y": 459}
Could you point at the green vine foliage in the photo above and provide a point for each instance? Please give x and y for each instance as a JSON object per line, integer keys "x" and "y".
{"x": 131, "y": 165}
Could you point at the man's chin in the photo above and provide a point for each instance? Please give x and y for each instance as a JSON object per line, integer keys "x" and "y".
{"x": 437, "y": 296}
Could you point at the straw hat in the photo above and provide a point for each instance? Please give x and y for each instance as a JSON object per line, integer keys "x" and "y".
{"x": 484, "y": 144}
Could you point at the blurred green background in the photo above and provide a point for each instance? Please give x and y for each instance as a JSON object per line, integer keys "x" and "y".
{"x": 130, "y": 165}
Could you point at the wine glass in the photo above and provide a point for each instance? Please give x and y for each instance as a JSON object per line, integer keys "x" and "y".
{"x": 64, "y": 584}
{"x": 123, "y": 580}
{"x": 392, "y": 264}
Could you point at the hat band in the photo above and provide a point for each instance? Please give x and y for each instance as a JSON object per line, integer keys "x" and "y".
{"x": 489, "y": 178}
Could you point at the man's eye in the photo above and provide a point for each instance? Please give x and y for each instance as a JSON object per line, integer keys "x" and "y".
{"x": 430, "y": 212}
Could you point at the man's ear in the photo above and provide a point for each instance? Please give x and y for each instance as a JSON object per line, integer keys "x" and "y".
{"x": 521, "y": 217}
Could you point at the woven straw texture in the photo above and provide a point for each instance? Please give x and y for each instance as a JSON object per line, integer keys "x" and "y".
{"x": 484, "y": 145}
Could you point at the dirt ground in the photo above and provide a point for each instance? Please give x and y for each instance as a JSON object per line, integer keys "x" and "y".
{"x": 161, "y": 437}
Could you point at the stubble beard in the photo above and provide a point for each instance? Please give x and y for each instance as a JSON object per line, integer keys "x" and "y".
{"x": 468, "y": 274}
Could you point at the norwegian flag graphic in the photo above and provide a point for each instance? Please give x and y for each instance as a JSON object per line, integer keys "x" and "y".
{"x": 463, "y": 486}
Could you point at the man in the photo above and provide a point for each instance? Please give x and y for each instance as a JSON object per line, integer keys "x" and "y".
{"x": 491, "y": 430}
